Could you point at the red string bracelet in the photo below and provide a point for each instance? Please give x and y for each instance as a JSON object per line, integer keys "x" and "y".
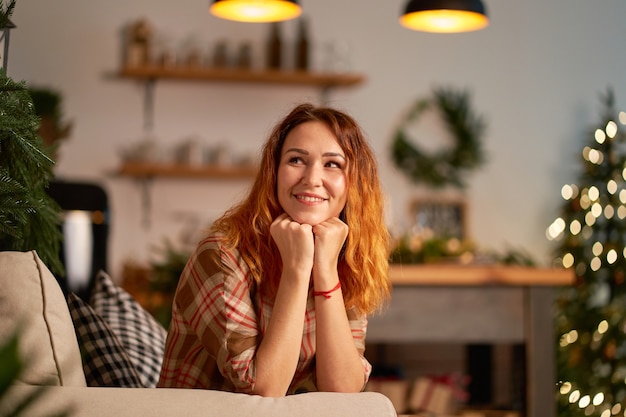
{"x": 326, "y": 294}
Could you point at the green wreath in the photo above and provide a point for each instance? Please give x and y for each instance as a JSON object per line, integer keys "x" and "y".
{"x": 448, "y": 166}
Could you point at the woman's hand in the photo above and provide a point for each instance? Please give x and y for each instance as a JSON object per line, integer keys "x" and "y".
{"x": 295, "y": 243}
{"x": 330, "y": 236}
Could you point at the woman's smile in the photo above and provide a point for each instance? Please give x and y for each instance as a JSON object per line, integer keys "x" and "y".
{"x": 309, "y": 198}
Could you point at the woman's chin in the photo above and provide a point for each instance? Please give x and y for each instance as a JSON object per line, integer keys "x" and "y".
{"x": 310, "y": 220}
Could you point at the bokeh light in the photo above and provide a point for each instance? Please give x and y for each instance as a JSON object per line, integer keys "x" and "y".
{"x": 611, "y": 129}
{"x": 600, "y": 136}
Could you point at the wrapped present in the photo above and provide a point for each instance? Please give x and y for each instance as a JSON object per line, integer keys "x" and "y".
{"x": 428, "y": 394}
{"x": 427, "y": 414}
{"x": 394, "y": 389}
{"x": 489, "y": 413}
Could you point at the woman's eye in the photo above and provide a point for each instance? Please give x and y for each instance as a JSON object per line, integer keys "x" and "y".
{"x": 333, "y": 164}
{"x": 295, "y": 160}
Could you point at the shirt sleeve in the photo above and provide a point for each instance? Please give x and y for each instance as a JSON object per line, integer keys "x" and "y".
{"x": 358, "y": 326}
{"x": 219, "y": 310}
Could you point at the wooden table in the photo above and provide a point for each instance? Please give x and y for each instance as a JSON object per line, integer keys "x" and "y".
{"x": 478, "y": 304}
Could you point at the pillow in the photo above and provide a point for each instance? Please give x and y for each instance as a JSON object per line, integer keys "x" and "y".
{"x": 32, "y": 303}
{"x": 141, "y": 335}
{"x": 105, "y": 362}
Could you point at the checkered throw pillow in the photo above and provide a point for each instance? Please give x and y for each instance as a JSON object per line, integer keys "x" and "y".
{"x": 141, "y": 335}
{"x": 105, "y": 362}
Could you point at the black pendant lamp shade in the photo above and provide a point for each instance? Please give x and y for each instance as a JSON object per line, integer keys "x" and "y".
{"x": 256, "y": 10}
{"x": 445, "y": 16}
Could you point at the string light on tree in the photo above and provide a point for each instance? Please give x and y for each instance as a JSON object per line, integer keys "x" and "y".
{"x": 590, "y": 237}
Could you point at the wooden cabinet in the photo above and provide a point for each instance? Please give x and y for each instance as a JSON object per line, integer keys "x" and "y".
{"x": 483, "y": 304}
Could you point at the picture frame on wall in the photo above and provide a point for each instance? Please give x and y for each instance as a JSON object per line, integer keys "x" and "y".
{"x": 441, "y": 217}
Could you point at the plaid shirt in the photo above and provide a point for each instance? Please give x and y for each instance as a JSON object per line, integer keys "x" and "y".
{"x": 218, "y": 320}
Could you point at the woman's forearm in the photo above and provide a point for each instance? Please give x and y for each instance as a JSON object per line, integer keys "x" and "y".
{"x": 278, "y": 353}
{"x": 338, "y": 364}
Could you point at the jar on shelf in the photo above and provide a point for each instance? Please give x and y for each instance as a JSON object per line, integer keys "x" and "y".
{"x": 138, "y": 44}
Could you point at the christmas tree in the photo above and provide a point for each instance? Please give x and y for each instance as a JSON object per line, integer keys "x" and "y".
{"x": 29, "y": 218}
{"x": 590, "y": 319}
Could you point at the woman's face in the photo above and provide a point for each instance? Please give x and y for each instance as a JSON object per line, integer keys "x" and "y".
{"x": 312, "y": 174}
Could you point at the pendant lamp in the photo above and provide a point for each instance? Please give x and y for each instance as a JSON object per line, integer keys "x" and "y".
{"x": 445, "y": 16}
{"x": 256, "y": 10}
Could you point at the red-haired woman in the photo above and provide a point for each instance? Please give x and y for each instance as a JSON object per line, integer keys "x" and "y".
{"x": 275, "y": 300}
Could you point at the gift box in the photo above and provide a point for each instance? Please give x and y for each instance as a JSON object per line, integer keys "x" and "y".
{"x": 427, "y": 414}
{"x": 430, "y": 395}
{"x": 394, "y": 389}
{"x": 489, "y": 413}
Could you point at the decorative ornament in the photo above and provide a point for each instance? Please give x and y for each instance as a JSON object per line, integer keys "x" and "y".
{"x": 139, "y": 44}
{"x": 448, "y": 166}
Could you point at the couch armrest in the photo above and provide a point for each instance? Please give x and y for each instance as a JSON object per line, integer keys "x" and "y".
{"x": 32, "y": 302}
{"x": 162, "y": 402}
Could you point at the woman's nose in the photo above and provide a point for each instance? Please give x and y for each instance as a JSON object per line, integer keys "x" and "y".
{"x": 312, "y": 175}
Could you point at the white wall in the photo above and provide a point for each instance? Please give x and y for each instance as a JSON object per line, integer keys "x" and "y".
{"x": 535, "y": 73}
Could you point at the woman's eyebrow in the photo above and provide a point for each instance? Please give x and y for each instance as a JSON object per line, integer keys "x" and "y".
{"x": 334, "y": 154}
{"x": 297, "y": 150}
{"x": 325, "y": 154}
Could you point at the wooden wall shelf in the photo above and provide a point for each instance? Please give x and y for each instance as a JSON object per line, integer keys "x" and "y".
{"x": 145, "y": 170}
{"x": 150, "y": 74}
{"x": 315, "y": 79}
{"x": 472, "y": 275}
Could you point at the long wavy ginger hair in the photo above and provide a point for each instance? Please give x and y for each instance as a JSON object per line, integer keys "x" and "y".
{"x": 363, "y": 264}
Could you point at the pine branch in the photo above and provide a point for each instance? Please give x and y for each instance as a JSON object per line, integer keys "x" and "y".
{"x": 6, "y": 14}
{"x": 29, "y": 217}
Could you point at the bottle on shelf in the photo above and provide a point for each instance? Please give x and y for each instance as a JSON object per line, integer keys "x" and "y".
{"x": 274, "y": 47}
{"x": 302, "y": 46}
{"x": 244, "y": 59}
{"x": 220, "y": 54}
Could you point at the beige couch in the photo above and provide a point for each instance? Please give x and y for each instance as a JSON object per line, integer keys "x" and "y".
{"x": 32, "y": 301}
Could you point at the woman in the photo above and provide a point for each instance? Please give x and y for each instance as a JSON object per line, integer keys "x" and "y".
{"x": 274, "y": 300}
